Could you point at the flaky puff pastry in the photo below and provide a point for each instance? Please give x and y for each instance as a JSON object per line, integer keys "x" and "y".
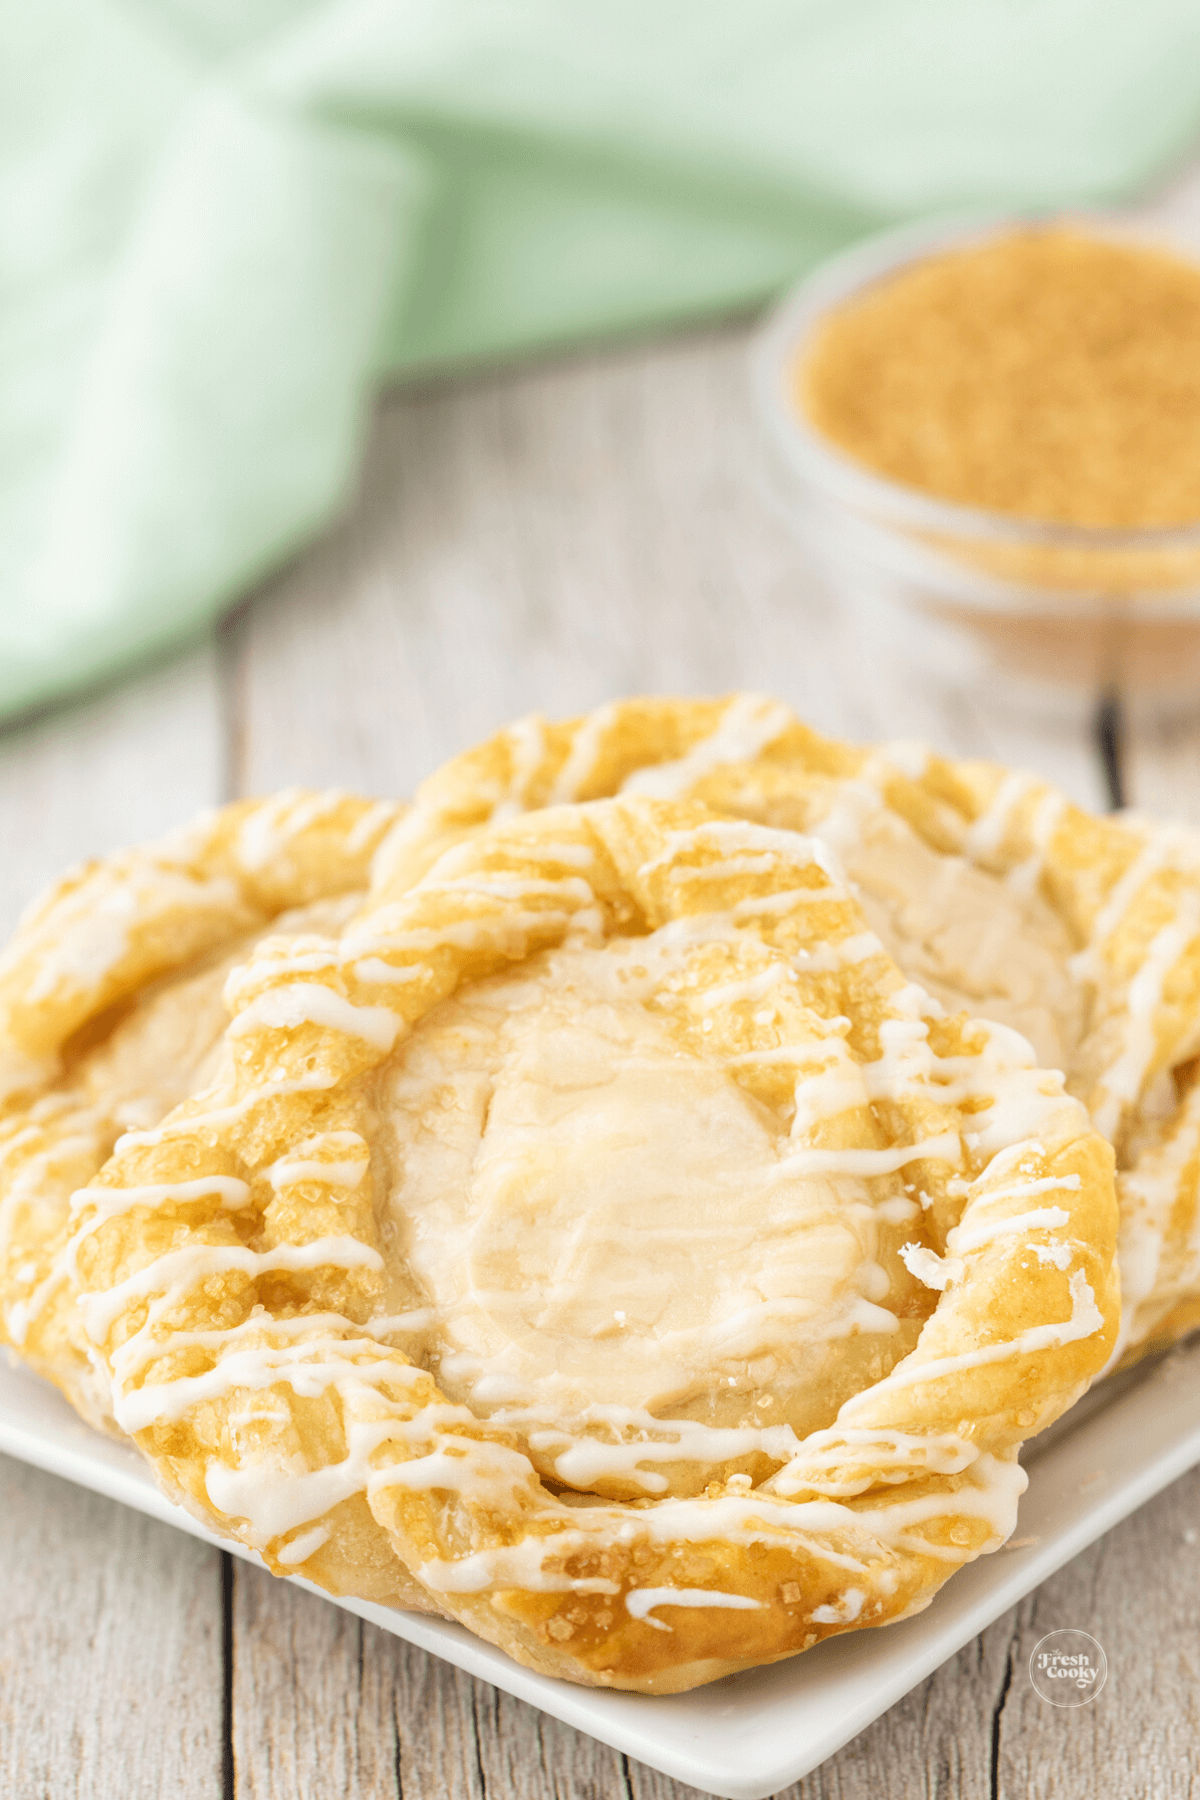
{"x": 111, "y": 1013}
{"x": 604, "y": 1245}
{"x": 987, "y": 886}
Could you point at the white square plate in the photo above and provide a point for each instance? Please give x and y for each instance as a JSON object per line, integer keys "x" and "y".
{"x": 751, "y": 1734}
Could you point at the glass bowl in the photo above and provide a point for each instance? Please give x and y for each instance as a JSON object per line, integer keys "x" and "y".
{"x": 1056, "y": 606}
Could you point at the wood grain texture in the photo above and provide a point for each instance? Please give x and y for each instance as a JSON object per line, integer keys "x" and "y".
{"x": 111, "y": 770}
{"x": 1163, "y": 763}
{"x": 110, "y": 1650}
{"x": 1137, "y": 1592}
{"x": 315, "y": 1689}
{"x": 110, "y": 1626}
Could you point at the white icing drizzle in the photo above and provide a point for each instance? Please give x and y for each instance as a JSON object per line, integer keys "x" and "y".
{"x": 373, "y": 969}
{"x": 749, "y": 987}
{"x": 179, "y": 1270}
{"x": 1124, "y": 1077}
{"x": 274, "y": 1501}
{"x": 1058, "y": 1256}
{"x": 1021, "y": 1190}
{"x": 345, "y": 1168}
{"x": 857, "y": 1459}
{"x": 281, "y": 953}
{"x": 1148, "y": 1196}
{"x": 826, "y": 959}
{"x": 322, "y": 1332}
{"x": 518, "y": 1565}
{"x": 783, "y": 901}
{"x": 583, "y": 756}
{"x": 1088, "y": 963}
{"x": 909, "y": 755}
{"x": 790, "y": 848}
{"x": 311, "y": 1003}
{"x": 843, "y": 1611}
{"x": 182, "y": 1126}
{"x": 1025, "y": 877}
{"x": 986, "y": 834}
{"x": 574, "y": 856}
{"x": 824, "y": 1094}
{"x": 37, "y": 1173}
{"x": 965, "y": 1238}
{"x": 303, "y": 1547}
{"x": 526, "y": 739}
{"x": 510, "y": 929}
{"x": 307, "y": 1367}
{"x": 419, "y": 1318}
{"x": 266, "y": 832}
{"x": 995, "y": 1486}
{"x": 641, "y": 1602}
{"x": 93, "y": 925}
{"x": 373, "y": 823}
{"x": 511, "y": 887}
{"x": 928, "y": 1267}
{"x": 584, "y": 1460}
{"x": 21, "y": 1313}
{"x": 1085, "y": 1320}
{"x": 945, "y": 1147}
{"x": 755, "y": 862}
{"x": 110, "y": 1203}
{"x": 749, "y": 723}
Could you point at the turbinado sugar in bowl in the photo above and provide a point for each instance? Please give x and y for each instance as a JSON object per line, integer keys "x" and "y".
{"x": 1047, "y": 374}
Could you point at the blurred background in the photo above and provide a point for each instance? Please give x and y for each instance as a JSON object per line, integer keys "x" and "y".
{"x": 374, "y": 374}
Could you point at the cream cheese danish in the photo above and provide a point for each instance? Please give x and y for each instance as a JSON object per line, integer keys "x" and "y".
{"x": 602, "y": 1242}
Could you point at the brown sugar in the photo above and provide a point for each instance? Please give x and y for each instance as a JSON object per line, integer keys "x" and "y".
{"x": 1047, "y": 374}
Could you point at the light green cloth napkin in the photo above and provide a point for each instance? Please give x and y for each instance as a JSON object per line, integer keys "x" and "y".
{"x": 223, "y": 222}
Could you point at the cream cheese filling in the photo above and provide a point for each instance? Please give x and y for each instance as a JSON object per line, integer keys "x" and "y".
{"x": 595, "y": 1230}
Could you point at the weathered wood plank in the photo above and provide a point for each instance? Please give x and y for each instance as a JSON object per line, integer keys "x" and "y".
{"x": 1137, "y": 1592}
{"x": 318, "y": 1693}
{"x": 113, "y": 769}
{"x": 111, "y": 1626}
{"x": 110, "y": 1650}
{"x": 297, "y": 1703}
{"x": 1163, "y": 762}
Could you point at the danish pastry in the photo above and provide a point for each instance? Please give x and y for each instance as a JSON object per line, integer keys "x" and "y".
{"x": 111, "y": 1013}
{"x": 603, "y": 1243}
{"x": 987, "y": 887}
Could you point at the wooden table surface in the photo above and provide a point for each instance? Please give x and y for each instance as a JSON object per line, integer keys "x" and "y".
{"x": 542, "y": 540}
